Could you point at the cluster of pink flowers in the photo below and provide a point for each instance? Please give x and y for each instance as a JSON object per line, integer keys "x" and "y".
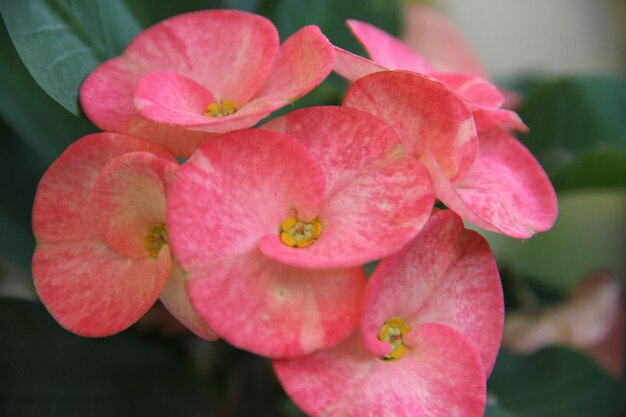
{"x": 260, "y": 236}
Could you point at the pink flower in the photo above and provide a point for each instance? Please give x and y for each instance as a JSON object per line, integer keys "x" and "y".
{"x": 197, "y": 74}
{"x": 429, "y": 333}
{"x": 453, "y": 123}
{"x": 102, "y": 257}
{"x": 272, "y": 230}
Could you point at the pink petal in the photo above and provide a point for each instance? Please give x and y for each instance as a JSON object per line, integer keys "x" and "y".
{"x": 352, "y": 67}
{"x": 446, "y": 275}
{"x": 275, "y": 310}
{"x": 426, "y": 115}
{"x": 377, "y": 198}
{"x": 129, "y": 198}
{"x": 91, "y": 291}
{"x": 231, "y": 53}
{"x": 62, "y": 210}
{"x": 304, "y": 60}
{"x": 175, "y": 299}
{"x": 235, "y": 190}
{"x": 440, "y": 376}
{"x": 106, "y": 97}
{"x": 387, "y": 50}
{"x": 478, "y": 92}
{"x": 438, "y": 40}
{"x": 505, "y": 191}
{"x": 498, "y": 119}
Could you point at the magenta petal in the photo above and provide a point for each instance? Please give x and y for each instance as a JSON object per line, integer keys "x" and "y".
{"x": 92, "y": 291}
{"x": 352, "y": 67}
{"x": 62, "y": 208}
{"x": 505, "y": 191}
{"x": 304, "y": 60}
{"x": 231, "y": 53}
{"x": 440, "y": 376}
{"x": 235, "y": 190}
{"x": 377, "y": 198}
{"x": 426, "y": 115}
{"x": 275, "y": 310}
{"x": 478, "y": 92}
{"x": 446, "y": 275}
{"x": 176, "y": 300}
{"x": 129, "y": 198}
{"x": 166, "y": 97}
{"x": 388, "y": 51}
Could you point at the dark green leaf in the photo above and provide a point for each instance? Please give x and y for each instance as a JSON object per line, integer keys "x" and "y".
{"x": 578, "y": 117}
{"x": 596, "y": 169}
{"x": 555, "y": 382}
{"x": 494, "y": 411}
{"x": 47, "y": 371}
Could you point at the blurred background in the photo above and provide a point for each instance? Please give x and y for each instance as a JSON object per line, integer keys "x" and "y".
{"x": 564, "y": 344}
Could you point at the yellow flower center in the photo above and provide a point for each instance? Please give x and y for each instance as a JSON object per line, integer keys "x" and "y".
{"x": 155, "y": 239}
{"x": 223, "y": 108}
{"x": 296, "y": 233}
{"x": 391, "y": 332}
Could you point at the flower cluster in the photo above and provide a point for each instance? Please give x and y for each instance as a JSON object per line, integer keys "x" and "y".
{"x": 260, "y": 235}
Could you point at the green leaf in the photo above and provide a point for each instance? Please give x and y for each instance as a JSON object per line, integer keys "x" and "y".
{"x": 555, "y": 382}
{"x": 577, "y": 124}
{"x": 493, "y": 411}
{"x": 47, "y": 371}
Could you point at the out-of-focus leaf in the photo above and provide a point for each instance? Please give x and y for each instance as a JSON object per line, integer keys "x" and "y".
{"x": 589, "y": 235}
{"x": 578, "y": 123}
{"x": 150, "y": 12}
{"x": 46, "y": 127}
{"x": 555, "y": 382}
{"x": 47, "y": 371}
{"x": 494, "y": 411}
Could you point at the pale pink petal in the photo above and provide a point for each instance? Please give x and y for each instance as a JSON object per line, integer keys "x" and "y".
{"x": 91, "y": 291}
{"x": 62, "y": 209}
{"x": 478, "y": 92}
{"x": 352, "y": 67}
{"x": 231, "y": 53}
{"x": 106, "y": 97}
{"x": 304, "y": 60}
{"x": 446, "y": 275}
{"x": 271, "y": 309}
{"x": 498, "y": 119}
{"x": 426, "y": 115}
{"x": 441, "y": 375}
{"x": 377, "y": 198}
{"x": 438, "y": 40}
{"x": 175, "y": 299}
{"x": 235, "y": 190}
{"x": 129, "y": 199}
{"x": 387, "y": 50}
{"x": 170, "y": 98}
{"x": 505, "y": 190}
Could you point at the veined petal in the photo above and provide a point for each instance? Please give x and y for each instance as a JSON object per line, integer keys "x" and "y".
{"x": 275, "y": 310}
{"x": 498, "y": 119}
{"x": 505, "y": 190}
{"x": 176, "y": 300}
{"x": 231, "y": 53}
{"x": 92, "y": 291}
{"x": 235, "y": 190}
{"x": 62, "y": 209}
{"x": 387, "y": 50}
{"x": 106, "y": 97}
{"x": 129, "y": 199}
{"x": 426, "y": 115}
{"x": 439, "y": 41}
{"x": 441, "y": 375}
{"x": 352, "y": 67}
{"x": 376, "y": 198}
{"x": 446, "y": 275}
{"x": 304, "y": 60}
{"x": 479, "y": 93}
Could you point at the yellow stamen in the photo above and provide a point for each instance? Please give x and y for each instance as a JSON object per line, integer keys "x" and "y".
{"x": 296, "y": 233}
{"x": 392, "y": 332}
{"x": 155, "y": 239}
{"x": 224, "y": 108}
